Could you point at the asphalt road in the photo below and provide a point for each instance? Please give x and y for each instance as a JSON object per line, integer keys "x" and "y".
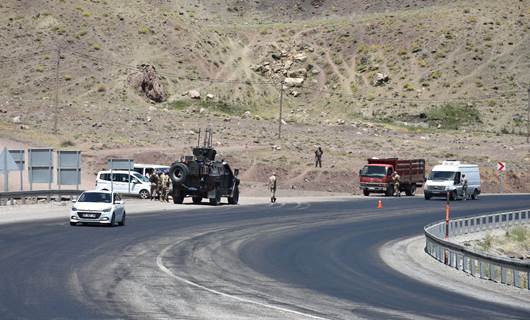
{"x": 292, "y": 261}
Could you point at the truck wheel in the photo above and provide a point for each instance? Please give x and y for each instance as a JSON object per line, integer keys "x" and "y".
{"x": 235, "y": 198}
{"x": 366, "y": 192}
{"x": 178, "y": 197}
{"x": 215, "y": 201}
{"x": 411, "y": 190}
{"x": 389, "y": 191}
{"x": 427, "y": 196}
{"x": 178, "y": 172}
{"x": 197, "y": 200}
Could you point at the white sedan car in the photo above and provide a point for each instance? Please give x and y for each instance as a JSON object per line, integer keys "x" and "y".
{"x": 98, "y": 207}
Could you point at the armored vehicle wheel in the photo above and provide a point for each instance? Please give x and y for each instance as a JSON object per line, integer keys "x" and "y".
{"x": 235, "y": 198}
{"x": 178, "y": 172}
{"x": 215, "y": 201}
{"x": 178, "y": 197}
{"x": 366, "y": 192}
{"x": 197, "y": 200}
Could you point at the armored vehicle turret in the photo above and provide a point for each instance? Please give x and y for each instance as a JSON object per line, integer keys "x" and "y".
{"x": 201, "y": 176}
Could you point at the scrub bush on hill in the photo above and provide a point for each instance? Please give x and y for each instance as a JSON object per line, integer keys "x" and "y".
{"x": 452, "y": 116}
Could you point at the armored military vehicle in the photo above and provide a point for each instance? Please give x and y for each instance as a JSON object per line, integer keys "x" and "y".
{"x": 201, "y": 176}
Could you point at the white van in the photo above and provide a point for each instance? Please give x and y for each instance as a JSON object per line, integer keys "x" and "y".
{"x": 144, "y": 169}
{"x": 122, "y": 182}
{"x": 447, "y": 177}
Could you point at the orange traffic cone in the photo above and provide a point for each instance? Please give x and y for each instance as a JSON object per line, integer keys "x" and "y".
{"x": 379, "y": 204}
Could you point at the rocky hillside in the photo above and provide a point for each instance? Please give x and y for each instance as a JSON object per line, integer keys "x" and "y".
{"x": 145, "y": 72}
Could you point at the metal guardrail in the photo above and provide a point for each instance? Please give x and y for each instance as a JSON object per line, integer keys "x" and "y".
{"x": 514, "y": 272}
{"x": 10, "y": 197}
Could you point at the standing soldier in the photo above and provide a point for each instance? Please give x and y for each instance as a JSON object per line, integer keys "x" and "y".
{"x": 464, "y": 187}
{"x": 164, "y": 183}
{"x": 318, "y": 157}
{"x": 395, "y": 181}
{"x": 272, "y": 187}
{"x": 153, "y": 179}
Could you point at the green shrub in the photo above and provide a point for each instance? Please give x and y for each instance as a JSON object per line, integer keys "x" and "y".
{"x": 452, "y": 116}
{"x": 144, "y": 30}
{"x": 487, "y": 242}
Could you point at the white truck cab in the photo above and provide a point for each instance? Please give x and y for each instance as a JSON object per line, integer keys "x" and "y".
{"x": 447, "y": 178}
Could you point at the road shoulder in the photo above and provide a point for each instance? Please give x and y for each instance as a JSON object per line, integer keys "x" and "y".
{"x": 407, "y": 256}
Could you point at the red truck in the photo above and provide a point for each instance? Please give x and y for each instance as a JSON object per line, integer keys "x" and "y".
{"x": 375, "y": 177}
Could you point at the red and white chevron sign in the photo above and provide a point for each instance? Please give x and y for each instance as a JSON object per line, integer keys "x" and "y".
{"x": 501, "y": 166}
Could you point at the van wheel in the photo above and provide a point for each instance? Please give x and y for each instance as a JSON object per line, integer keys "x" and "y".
{"x": 144, "y": 194}
{"x": 366, "y": 192}
{"x": 475, "y": 194}
{"x": 197, "y": 200}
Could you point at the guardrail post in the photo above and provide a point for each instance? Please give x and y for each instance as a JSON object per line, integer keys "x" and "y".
{"x": 503, "y": 275}
{"x": 515, "y": 274}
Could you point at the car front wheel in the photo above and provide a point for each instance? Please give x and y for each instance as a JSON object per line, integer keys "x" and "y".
{"x": 122, "y": 222}
{"x": 144, "y": 194}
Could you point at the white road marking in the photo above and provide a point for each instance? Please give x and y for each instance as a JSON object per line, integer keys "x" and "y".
{"x": 162, "y": 267}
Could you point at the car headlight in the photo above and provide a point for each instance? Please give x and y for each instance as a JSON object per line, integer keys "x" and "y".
{"x": 74, "y": 209}
{"x": 106, "y": 210}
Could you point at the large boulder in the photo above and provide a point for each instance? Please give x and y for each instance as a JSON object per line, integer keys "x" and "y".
{"x": 300, "y": 57}
{"x": 298, "y": 73}
{"x": 294, "y": 82}
{"x": 147, "y": 82}
{"x": 194, "y": 94}
{"x": 381, "y": 78}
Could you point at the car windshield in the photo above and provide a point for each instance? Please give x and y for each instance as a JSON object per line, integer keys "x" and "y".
{"x": 140, "y": 177}
{"x": 373, "y": 171}
{"x": 94, "y": 197}
{"x": 442, "y": 175}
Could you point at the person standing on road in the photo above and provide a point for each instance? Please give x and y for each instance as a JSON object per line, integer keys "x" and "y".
{"x": 153, "y": 179}
{"x": 464, "y": 187}
{"x": 272, "y": 186}
{"x": 318, "y": 157}
{"x": 164, "y": 184}
{"x": 395, "y": 180}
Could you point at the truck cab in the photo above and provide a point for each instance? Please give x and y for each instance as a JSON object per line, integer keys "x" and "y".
{"x": 375, "y": 178}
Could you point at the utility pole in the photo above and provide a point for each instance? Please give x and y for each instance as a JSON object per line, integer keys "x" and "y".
{"x": 56, "y": 111}
{"x": 528, "y": 119}
{"x": 281, "y": 109}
